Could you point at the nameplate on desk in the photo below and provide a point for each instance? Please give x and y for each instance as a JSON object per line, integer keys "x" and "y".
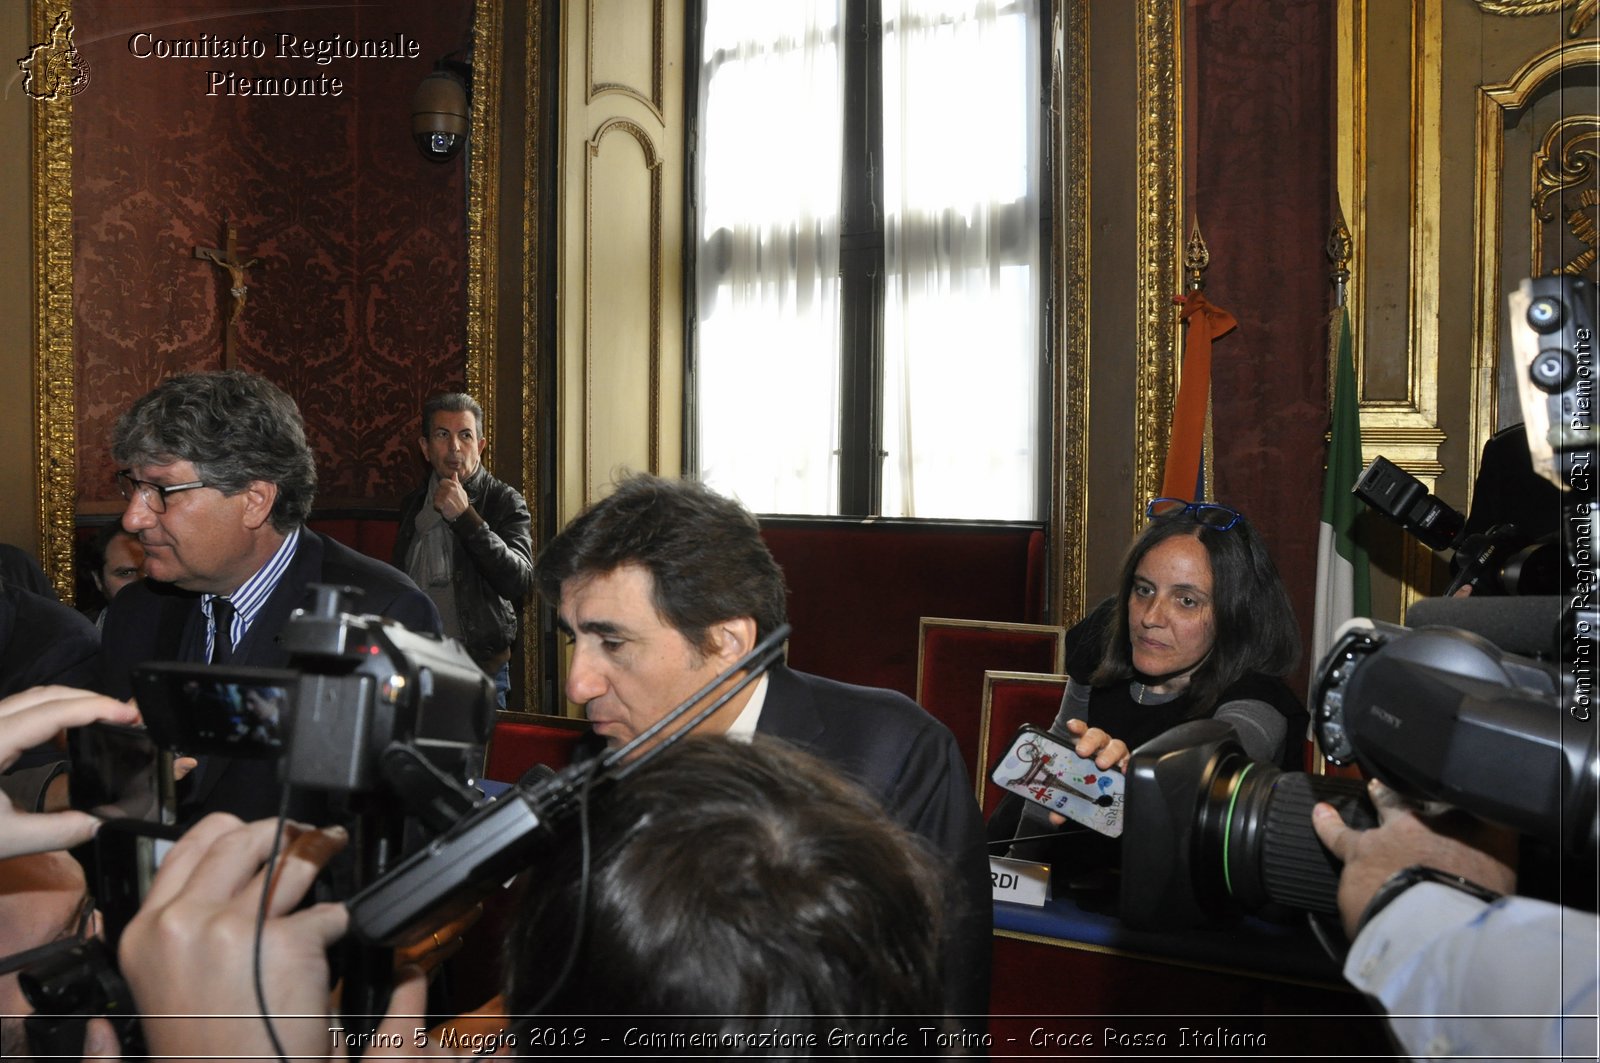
{"x": 1019, "y": 882}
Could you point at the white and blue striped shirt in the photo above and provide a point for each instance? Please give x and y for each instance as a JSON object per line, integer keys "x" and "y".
{"x": 251, "y": 595}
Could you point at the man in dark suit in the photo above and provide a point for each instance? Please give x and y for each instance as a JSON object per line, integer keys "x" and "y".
{"x": 219, "y": 481}
{"x": 664, "y": 584}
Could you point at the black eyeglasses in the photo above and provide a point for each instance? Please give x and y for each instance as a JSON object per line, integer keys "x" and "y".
{"x": 153, "y": 495}
{"x": 1208, "y": 513}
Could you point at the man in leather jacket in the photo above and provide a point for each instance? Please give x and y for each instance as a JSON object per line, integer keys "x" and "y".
{"x": 466, "y": 539}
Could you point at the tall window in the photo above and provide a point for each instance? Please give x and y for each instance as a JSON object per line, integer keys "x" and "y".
{"x": 866, "y": 335}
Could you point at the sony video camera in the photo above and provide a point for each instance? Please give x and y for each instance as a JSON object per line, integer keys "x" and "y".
{"x": 1435, "y": 713}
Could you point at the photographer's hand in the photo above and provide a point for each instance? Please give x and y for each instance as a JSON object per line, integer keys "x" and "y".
{"x": 1454, "y": 842}
{"x": 28, "y": 719}
{"x": 190, "y": 949}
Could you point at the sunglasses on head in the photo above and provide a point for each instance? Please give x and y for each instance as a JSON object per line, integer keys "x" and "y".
{"x": 1208, "y": 513}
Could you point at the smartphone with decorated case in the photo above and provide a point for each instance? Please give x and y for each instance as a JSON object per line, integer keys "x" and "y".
{"x": 1043, "y": 768}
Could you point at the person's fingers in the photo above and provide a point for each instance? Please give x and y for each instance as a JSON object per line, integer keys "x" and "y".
{"x": 1114, "y": 755}
{"x": 1057, "y": 819}
{"x": 1076, "y": 728}
{"x": 185, "y": 856}
{"x": 100, "y": 1041}
{"x": 44, "y": 717}
{"x": 44, "y": 831}
{"x": 305, "y": 854}
{"x": 38, "y": 697}
{"x": 1389, "y": 803}
{"x": 440, "y": 944}
{"x": 182, "y": 766}
{"x": 1331, "y": 829}
{"x": 1091, "y": 742}
{"x": 325, "y": 923}
{"x": 24, "y": 700}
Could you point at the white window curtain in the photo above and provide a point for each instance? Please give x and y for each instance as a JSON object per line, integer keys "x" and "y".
{"x": 962, "y": 182}
{"x": 767, "y": 272}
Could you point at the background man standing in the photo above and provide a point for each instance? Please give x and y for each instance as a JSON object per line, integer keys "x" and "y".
{"x": 466, "y": 538}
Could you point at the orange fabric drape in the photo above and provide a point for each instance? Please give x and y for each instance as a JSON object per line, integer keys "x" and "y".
{"x": 1186, "y": 445}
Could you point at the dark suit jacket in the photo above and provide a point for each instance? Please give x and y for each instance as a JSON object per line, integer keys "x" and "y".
{"x": 152, "y": 621}
{"x": 909, "y": 761}
{"x": 41, "y": 641}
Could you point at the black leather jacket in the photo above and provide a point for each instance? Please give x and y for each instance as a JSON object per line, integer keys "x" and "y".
{"x": 492, "y": 562}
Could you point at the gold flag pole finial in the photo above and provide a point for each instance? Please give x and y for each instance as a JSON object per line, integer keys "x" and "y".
{"x": 1340, "y": 248}
{"x": 1196, "y": 259}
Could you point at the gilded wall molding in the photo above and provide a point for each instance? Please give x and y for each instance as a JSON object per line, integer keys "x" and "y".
{"x": 1566, "y": 161}
{"x": 1071, "y": 297}
{"x": 1581, "y": 18}
{"x": 532, "y": 322}
{"x": 483, "y": 212}
{"x": 54, "y": 373}
{"x": 1159, "y": 199}
{"x": 1405, "y": 429}
{"x": 1497, "y": 103}
{"x": 656, "y": 101}
{"x": 653, "y": 163}
{"x": 1410, "y": 422}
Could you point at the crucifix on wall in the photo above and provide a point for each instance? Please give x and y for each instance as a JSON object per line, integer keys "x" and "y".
{"x": 227, "y": 257}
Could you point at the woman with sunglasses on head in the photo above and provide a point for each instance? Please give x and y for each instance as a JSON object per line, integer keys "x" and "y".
{"x": 1200, "y": 627}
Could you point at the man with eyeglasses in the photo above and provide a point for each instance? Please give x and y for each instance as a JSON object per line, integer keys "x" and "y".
{"x": 219, "y": 481}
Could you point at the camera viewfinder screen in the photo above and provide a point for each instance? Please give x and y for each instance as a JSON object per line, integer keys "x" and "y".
{"x": 235, "y": 717}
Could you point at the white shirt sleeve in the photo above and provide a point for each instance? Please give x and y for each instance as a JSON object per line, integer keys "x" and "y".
{"x": 1458, "y": 977}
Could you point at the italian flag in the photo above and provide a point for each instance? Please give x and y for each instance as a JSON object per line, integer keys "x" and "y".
{"x": 1344, "y": 583}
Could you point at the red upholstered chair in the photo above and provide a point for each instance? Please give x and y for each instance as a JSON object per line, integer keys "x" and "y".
{"x": 1011, "y": 699}
{"x": 522, "y": 740}
{"x": 857, "y": 588}
{"x": 952, "y": 657}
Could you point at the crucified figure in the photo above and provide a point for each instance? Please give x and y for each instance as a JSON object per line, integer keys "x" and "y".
{"x": 227, "y": 257}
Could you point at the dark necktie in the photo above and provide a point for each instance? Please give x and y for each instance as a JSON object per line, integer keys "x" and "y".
{"x": 222, "y": 631}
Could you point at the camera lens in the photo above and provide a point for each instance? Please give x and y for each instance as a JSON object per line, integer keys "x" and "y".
{"x": 1544, "y": 314}
{"x": 1256, "y": 838}
{"x": 441, "y": 143}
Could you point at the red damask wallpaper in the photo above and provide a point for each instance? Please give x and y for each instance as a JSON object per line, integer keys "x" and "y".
{"x": 1262, "y": 189}
{"x": 206, "y": 110}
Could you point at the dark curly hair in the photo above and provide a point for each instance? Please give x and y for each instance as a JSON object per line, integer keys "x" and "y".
{"x": 703, "y": 551}
{"x": 234, "y": 427}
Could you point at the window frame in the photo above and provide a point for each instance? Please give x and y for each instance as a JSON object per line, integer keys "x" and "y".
{"x": 862, "y": 262}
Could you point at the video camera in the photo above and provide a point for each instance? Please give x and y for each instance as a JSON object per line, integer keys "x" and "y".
{"x": 1553, "y": 321}
{"x": 387, "y": 725}
{"x": 370, "y": 713}
{"x": 1437, "y": 713}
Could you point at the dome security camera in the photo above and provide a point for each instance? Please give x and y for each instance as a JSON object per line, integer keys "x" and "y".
{"x": 439, "y": 111}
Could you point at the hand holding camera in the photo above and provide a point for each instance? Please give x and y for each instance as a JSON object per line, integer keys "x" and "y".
{"x": 1454, "y": 842}
{"x": 204, "y": 903}
{"x": 29, "y": 719}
